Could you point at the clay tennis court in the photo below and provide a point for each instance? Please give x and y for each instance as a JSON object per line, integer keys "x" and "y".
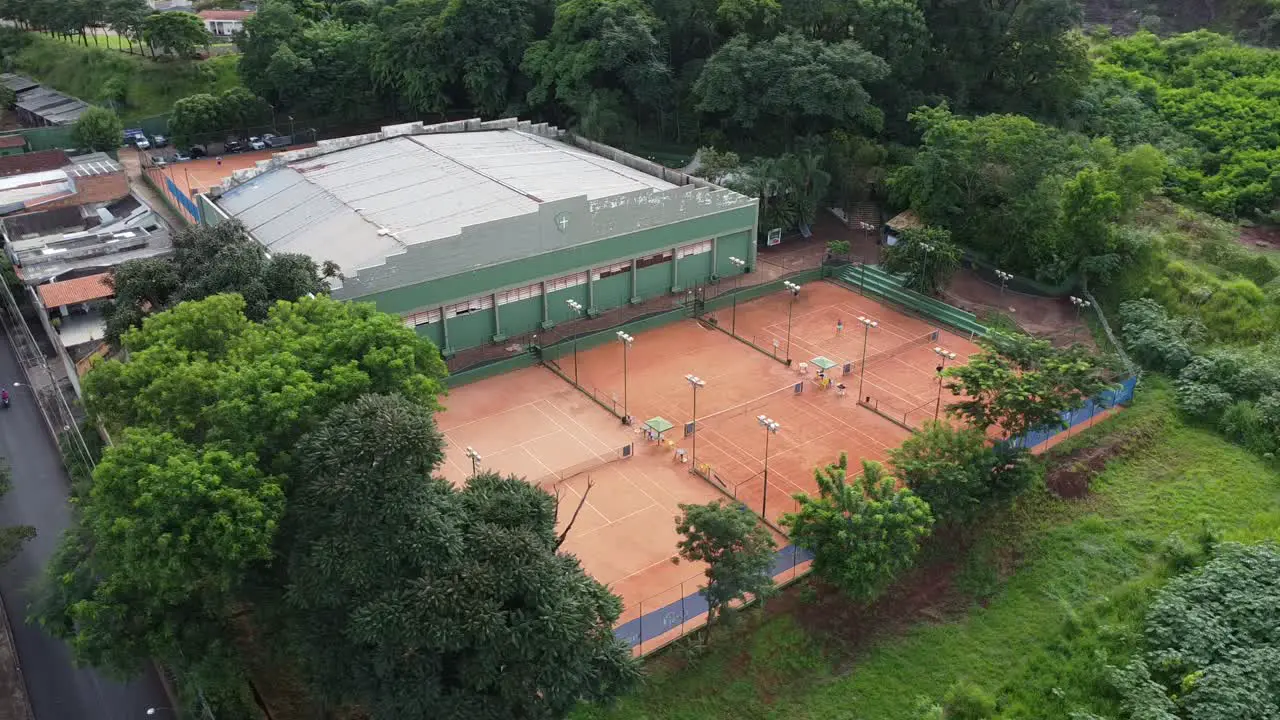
{"x": 901, "y": 366}
{"x": 531, "y": 423}
{"x": 193, "y": 177}
{"x": 817, "y": 423}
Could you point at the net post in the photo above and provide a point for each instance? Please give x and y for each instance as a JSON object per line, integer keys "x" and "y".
{"x": 641, "y": 644}
{"x": 682, "y": 613}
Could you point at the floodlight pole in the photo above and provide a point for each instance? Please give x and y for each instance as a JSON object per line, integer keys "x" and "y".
{"x": 742, "y": 267}
{"x": 795, "y": 293}
{"x": 1004, "y": 279}
{"x": 770, "y": 428}
{"x": 867, "y": 324}
{"x": 945, "y": 355}
{"x": 1080, "y": 304}
{"x": 626, "y": 345}
{"x": 576, "y": 307}
{"x": 695, "y": 382}
{"x": 475, "y": 460}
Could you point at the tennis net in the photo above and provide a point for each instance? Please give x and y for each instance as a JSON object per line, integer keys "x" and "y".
{"x": 895, "y": 351}
{"x": 556, "y": 477}
{"x": 752, "y": 405}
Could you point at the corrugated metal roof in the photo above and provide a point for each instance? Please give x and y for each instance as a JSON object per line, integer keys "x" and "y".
{"x": 359, "y": 205}
{"x": 80, "y": 290}
{"x": 18, "y": 83}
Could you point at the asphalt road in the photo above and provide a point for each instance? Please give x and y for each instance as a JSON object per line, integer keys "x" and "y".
{"x": 58, "y": 690}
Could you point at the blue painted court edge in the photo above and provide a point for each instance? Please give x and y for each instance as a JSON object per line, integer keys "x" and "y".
{"x": 655, "y": 623}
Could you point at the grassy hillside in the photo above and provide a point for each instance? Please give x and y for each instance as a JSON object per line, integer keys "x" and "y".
{"x": 1037, "y": 638}
{"x": 151, "y": 86}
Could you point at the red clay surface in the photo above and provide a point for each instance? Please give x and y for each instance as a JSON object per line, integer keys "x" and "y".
{"x": 534, "y": 424}
{"x": 816, "y": 425}
{"x": 197, "y": 176}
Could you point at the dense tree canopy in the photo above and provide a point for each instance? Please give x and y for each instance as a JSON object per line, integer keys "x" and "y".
{"x": 98, "y": 129}
{"x": 996, "y": 177}
{"x": 179, "y": 33}
{"x": 863, "y": 531}
{"x": 1019, "y": 383}
{"x": 1218, "y": 97}
{"x": 414, "y": 599}
{"x": 737, "y": 550}
{"x": 208, "y": 260}
{"x": 1211, "y": 646}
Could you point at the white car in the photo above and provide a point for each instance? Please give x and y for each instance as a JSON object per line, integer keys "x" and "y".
{"x": 256, "y": 143}
{"x": 142, "y": 143}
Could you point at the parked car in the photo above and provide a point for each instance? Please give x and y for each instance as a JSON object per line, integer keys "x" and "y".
{"x": 197, "y": 151}
{"x": 159, "y": 141}
{"x": 256, "y": 143}
{"x": 159, "y": 161}
{"x": 181, "y": 157}
{"x": 232, "y": 146}
{"x": 276, "y": 141}
{"x": 141, "y": 142}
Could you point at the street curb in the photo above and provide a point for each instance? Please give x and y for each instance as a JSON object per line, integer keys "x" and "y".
{"x": 23, "y": 699}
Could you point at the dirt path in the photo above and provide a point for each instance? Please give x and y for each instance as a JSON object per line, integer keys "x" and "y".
{"x": 1053, "y": 318}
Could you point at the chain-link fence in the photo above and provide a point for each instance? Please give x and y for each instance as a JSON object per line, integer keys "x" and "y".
{"x": 43, "y": 383}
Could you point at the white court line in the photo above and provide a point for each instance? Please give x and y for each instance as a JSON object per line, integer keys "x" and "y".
{"x": 574, "y": 420}
{"x": 487, "y": 417}
{"x": 847, "y": 425}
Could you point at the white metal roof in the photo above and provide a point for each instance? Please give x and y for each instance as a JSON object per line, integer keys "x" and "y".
{"x": 359, "y": 205}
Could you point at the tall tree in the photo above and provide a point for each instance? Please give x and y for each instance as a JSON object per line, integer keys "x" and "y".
{"x": 1019, "y": 384}
{"x": 601, "y": 58}
{"x": 414, "y": 599}
{"x": 208, "y": 260}
{"x": 958, "y": 473}
{"x": 179, "y": 33}
{"x": 98, "y": 129}
{"x": 172, "y": 533}
{"x": 196, "y": 119}
{"x": 790, "y": 85}
{"x": 925, "y": 257}
{"x": 737, "y": 549}
{"x": 863, "y": 533}
{"x": 127, "y": 18}
{"x": 1007, "y": 55}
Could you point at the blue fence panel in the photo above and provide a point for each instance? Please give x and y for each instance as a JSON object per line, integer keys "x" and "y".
{"x": 656, "y": 622}
{"x": 1109, "y": 398}
{"x": 182, "y": 199}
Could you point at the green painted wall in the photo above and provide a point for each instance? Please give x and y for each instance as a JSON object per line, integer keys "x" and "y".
{"x": 562, "y": 262}
{"x": 653, "y": 280}
{"x": 612, "y": 292}
{"x": 733, "y": 245}
{"x": 521, "y": 317}
{"x": 470, "y": 330}
{"x": 557, "y": 307}
{"x": 695, "y": 270}
{"x": 433, "y": 332}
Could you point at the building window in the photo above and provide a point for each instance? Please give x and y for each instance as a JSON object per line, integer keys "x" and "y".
{"x": 421, "y": 317}
{"x": 518, "y": 294}
{"x": 652, "y": 260}
{"x": 614, "y": 269}
{"x": 694, "y": 249}
{"x": 568, "y": 281}
{"x": 466, "y": 307}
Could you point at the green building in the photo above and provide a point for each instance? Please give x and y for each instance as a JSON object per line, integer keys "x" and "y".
{"x": 475, "y": 231}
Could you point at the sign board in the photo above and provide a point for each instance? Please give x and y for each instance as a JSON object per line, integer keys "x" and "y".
{"x": 775, "y": 237}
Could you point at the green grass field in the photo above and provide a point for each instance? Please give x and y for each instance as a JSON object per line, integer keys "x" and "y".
{"x": 152, "y": 86}
{"x": 1037, "y": 638}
